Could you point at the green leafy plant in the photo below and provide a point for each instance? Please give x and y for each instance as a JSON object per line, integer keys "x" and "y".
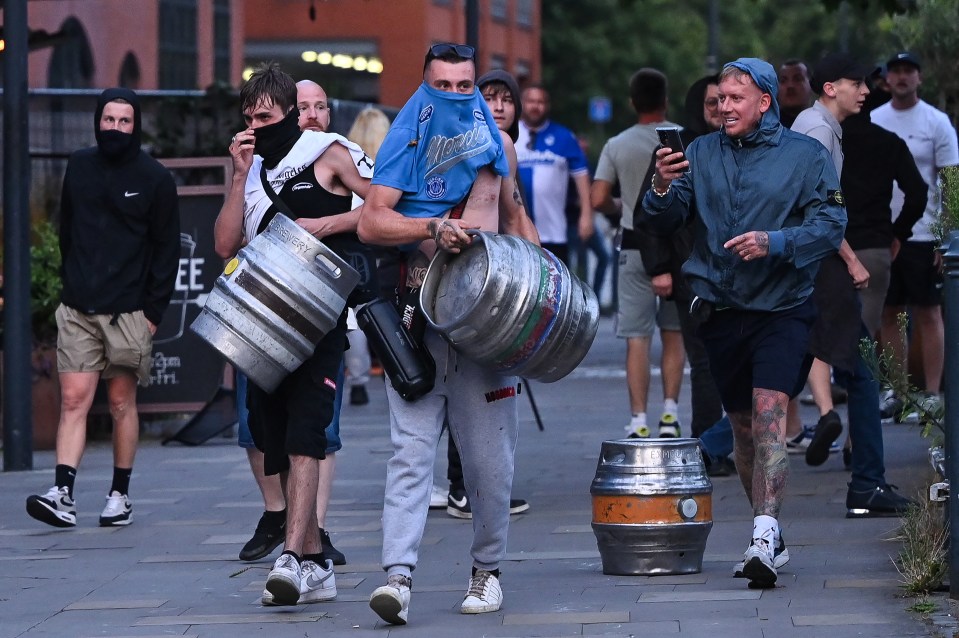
{"x": 891, "y": 374}
{"x": 923, "y": 561}
{"x": 45, "y": 282}
{"x": 948, "y": 218}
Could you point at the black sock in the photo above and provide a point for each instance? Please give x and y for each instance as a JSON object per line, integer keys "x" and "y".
{"x": 319, "y": 559}
{"x": 275, "y": 519}
{"x": 65, "y": 476}
{"x": 121, "y": 480}
{"x": 294, "y": 555}
{"x": 494, "y": 572}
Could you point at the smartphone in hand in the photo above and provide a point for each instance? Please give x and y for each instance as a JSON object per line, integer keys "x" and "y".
{"x": 669, "y": 138}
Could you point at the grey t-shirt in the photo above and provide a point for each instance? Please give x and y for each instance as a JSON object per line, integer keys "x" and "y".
{"x": 624, "y": 160}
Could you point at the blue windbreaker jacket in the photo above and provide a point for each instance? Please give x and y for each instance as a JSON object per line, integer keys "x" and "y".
{"x": 772, "y": 179}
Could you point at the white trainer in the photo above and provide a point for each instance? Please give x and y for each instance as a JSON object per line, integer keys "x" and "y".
{"x": 284, "y": 581}
{"x": 759, "y": 562}
{"x": 317, "y": 584}
{"x": 484, "y": 594}
{"x": 53, "y": 508}
{"x": 391, "y": 602}
{"x": 118, "y": 511}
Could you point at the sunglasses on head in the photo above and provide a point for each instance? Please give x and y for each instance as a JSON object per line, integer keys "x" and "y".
{"x": 464, "y": 51}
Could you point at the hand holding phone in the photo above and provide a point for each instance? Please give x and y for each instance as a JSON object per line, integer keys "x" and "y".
{"x": 669, "y": 138}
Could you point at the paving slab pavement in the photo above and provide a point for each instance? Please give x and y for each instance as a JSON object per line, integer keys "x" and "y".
{"x": 174, "y": 571}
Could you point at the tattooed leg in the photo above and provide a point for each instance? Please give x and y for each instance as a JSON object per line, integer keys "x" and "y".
{"x": 771, "y": 460}
{"x": 744, "y": 450}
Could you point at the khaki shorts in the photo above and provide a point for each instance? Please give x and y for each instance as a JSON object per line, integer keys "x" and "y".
{"x": 90, "y": 343}
{"x": 640, "y": 309}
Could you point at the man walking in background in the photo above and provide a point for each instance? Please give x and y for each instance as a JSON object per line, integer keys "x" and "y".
{"x": 120, "y": 244}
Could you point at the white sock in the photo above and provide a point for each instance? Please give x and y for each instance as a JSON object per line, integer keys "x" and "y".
{"x": 670, "y": 407}
{"x": 638, "y": 421}
{"x": 762, "y": 524}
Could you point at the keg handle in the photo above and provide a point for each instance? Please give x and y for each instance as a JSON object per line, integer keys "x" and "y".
{"x": 325, "y": 263}
{"x": 615, "y": 459}
{"x": 432, "y": 278}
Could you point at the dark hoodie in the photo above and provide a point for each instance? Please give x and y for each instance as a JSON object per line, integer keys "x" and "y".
{"x": 499, "y": 75}
{"x": 693, "y": 109}
{"x": 771, "y": 179}
{"x": 119, "y": 224}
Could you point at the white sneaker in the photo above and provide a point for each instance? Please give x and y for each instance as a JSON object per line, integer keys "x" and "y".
{"x": 780, "y": 558}
{"x": 317, "y": 584}
{"x": 391, "y": 602}
{"x": 284, "y": 581}
{"x": 484, "y": 594}
{"x": 53, "y": 508}
{"x": 118, "y": 511}
{"x": 758, "y": 562}
{"x": 438, "y": 498}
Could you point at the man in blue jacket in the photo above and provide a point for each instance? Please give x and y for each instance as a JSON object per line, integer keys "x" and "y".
{"x": 768, "y": 209}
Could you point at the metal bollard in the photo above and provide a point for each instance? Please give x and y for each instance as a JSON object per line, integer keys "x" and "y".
{"x": 951, "y": 304}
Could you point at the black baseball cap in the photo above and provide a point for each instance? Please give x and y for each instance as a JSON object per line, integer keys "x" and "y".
{"x": 904, "y": 57}
{"x": 837, "y": 66}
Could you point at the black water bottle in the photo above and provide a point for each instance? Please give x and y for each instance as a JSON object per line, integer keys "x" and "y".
{"x": 407, "y": 363}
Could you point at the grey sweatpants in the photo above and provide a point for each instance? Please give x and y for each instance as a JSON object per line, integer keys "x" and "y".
{"x": 480, "y": 406}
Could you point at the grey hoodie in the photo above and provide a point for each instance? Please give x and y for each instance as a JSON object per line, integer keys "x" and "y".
{"x": 771, "y": 179}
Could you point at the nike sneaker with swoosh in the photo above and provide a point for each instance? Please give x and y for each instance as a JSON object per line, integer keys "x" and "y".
{"x": 53, "y": 508}
{"x": 284, "y": 580}
{"x": 458, "y": 505}
{"x": 317, "y": 584}
{"x": 118, "y": 510}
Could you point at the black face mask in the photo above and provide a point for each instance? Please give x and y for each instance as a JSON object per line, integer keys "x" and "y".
{"x": 274, "y": 141}
{"x": 114, "y": 144}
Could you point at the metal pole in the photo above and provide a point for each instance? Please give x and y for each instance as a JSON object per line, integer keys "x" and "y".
{"x": 951, "y": 304}
{"x": 712, "y": 55}
{"x": 17, "y": 337}
{"x": 472, "y": 25}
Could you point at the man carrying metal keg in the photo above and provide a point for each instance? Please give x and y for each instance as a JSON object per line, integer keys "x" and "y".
{"x": 768, "y": 209}
{"x": 444, "y": 146}
{"x": 289, "y": 424}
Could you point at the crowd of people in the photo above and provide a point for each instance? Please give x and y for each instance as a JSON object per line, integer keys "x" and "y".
{"x": 763, "y": 244}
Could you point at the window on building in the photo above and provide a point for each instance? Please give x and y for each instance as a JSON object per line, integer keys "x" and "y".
{"x": 524, "y": 13}
{"x": 522, "y": 72}
{"x": 497, "y": 61}
{"x": 221, "y": 41}
{"x": 178, "y": 44}
{"x": 499, "y": 10}
{"x": 71, "y": 64}
{"x": 129, "y": 72}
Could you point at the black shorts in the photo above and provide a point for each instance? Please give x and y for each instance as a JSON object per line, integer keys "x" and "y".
{"x": 914, "y": 279}
{"x": 751, "y": 349}
{"x": 293, "y": 418}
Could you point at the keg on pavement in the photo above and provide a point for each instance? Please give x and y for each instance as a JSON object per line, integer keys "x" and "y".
{"x": 275, "y": 301}
{"x": 512, "y": 306}
{"x": 652, "y": 506}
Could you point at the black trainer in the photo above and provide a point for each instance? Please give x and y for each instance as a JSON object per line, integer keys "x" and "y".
{"x": 877, "y": 501}
{"x": 266, "y": 538}
{"x": 329, "y": 551}
{"x": 827, "y": 430}
{"x": 458, "y": 505}
{"x": 358, "y": 396}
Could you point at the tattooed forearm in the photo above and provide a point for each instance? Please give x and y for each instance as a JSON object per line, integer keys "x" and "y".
{"x": 516, "y": 196}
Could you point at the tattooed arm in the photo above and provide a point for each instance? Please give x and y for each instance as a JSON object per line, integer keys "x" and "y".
{"x": 513, "y": 219}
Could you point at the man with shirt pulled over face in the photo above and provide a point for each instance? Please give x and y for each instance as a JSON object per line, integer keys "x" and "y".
{"x": 768, "y": 210}
{"x": 419, "y": 177}
{"x": 120, "y": 242}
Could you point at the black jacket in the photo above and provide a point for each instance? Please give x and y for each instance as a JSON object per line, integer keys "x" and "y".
{"x": 667, "y": 254}
{"x": 119, "y": 232}
{"x": 874, "y": 158}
